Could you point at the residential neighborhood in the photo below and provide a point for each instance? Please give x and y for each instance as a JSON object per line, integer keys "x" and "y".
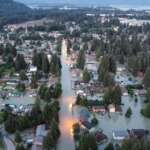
{"x": 74, "y": 78}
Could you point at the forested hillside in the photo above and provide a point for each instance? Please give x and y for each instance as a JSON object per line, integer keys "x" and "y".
{"x": 15, "y": 12}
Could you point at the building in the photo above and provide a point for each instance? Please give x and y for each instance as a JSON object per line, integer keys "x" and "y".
{"x": 32, "y": 69}
{"x": 100, "y": 137}
{"x": 111, "y": 108}
{"x": 138, "y": 133}
{"x": 99, "y": 109}
{"x": 41, "y": 133}
{"x": 120, "y": 135}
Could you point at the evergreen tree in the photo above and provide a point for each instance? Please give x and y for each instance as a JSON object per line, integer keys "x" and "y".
{"x": 20, "y": 63}
{"x": 108, "y": 79}
{"x": 55, "y": 65}
{"x": 33, "y": 84}
{"x": 109, "y": 147}
{"x": 47, "y": 96}
{"x": 86, "y": 76}
{"x": 18, "y": 138}
{"x": 49, "y": 142}
{"x": 20, "y": 147}
{"x": 146, "y": 80}
{"x": 23, "y": 75}
{"x": 87, "y": 142}
{"x": 10, "y": 61}
{"x": 21, "y": 87}
{"x": 81, "y": 60}
{"x": 45, "y": 64}
{"x": 128, "y": 113}
{"x": 10, "y": 124}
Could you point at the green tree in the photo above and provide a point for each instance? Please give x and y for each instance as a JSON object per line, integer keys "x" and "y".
{"x": 20, "y": 63}
{"x": 21, "y": 87}
{"x": 86, "y": 76}
{"x": 146, "y": 80}
{"x": 113, "y": 95}
{"x": 87, "y": 142}
{"x": 49, "y": 142}
{"x": 10, "y": 61}
{"x": 47, "y": 96}
{"x": 117, "y": 95}
{"x": 106, "y": 66}
{"x": 148, "y": 96}
{"x": 42, "y": 90}
{"x": 23, "y": 75}
{"x": 20, "y": 147}
{"x": 108, "y": 79}
{"x": 76, "y": 131}
{"x": 110, "y": 146}
{"x": 33, "y": 84}
{"x": 146, "y": 111}
{"x": 47, "y": 113}
{"x": 57, "y": 90}
{"x": 24, "y": 122}
{"x": 81, "y": 60}
{"x": 10, "y": 124}
{"x": 18, "y": 138}
{"x": 94, "y": 121}
{"x": 55, "y": 130}
{"x": 55, "y": 65}
{"x": 45, "y": 64}
{"x": 128, "y": 113}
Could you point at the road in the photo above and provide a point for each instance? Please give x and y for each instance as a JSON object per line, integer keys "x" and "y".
{"x": 67, "y": 119}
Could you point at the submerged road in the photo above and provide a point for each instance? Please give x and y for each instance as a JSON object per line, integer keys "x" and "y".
{"x": 67, "y": 119}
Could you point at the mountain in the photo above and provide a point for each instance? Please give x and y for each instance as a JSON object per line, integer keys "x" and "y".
{"x": 131, "y": 3}
{"x": 10, "y": 7}
{"x": 13, "y": 12}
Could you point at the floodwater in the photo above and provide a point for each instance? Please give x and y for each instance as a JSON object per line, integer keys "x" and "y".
{"x": 67, "y": 117}
{"x": 120, "y": 122}
{"x": 117, "y": 121}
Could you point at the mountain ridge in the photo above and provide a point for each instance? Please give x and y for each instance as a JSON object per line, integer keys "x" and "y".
{"x": 90, "y": 2}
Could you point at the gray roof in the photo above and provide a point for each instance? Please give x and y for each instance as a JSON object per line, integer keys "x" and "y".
{"x": 120, "y": 133}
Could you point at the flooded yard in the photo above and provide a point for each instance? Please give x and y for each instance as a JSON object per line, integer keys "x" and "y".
{"x": 21, "y": 100}
{"x": 120, "y": 122}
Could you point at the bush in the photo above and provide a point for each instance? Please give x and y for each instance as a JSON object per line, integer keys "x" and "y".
{"x": 21, "y": 87}
{"x": 94, "y": 121}
{"x": 146, "y": 111}
{"x": 128, "y": 113}
{"x": 110, "y": 146}
{"x": 18, "y": 138}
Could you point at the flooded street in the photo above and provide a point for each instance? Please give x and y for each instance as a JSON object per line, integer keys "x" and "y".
{"x": 67, "y": 119}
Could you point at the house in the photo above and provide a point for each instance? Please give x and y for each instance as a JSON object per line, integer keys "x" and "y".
{"x": 76, "y": 73}
{"x": 12, "y": 82}
{"x": 141, "y": 92}
{"x": 99, "y": 109}
{"x": 92, "y": 66}
{"x": 85, "y": 124}
{"x": 100, "y": 137}
{"x": 120, "y": 135}
{"x": 32, "y": 69}
{"x": 111, "y": 108}
{"x": 41, "y": 132}
{"x": 138, "y": 133}
{"x": 118, "y": 109}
